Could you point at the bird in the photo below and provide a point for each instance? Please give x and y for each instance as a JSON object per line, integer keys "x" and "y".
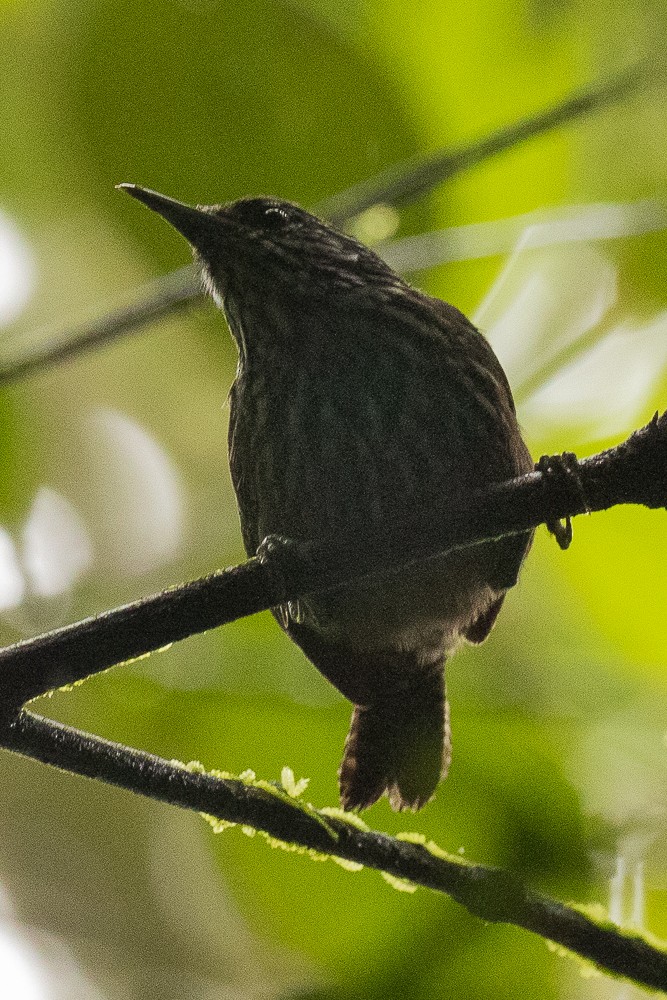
{"x": 360, "y": 401}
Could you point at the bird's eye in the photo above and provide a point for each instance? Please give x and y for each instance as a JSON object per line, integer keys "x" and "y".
{"x": 260, "y": 214}
{"x": 275, "y": 218}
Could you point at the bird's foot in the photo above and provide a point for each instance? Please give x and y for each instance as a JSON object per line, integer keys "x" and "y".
{"x": 281, "y": 556}
{"x": 566, "y": 468}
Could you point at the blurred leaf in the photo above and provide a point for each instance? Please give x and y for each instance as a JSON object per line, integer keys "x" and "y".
{"x": 233, "y": 100}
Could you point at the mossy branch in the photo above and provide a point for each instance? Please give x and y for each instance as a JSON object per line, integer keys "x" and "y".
{"x": 489, "y": 893}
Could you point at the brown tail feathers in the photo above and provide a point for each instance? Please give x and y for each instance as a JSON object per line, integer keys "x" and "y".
{"x": 399, "y": 738}
{"x": 400, "y": 744}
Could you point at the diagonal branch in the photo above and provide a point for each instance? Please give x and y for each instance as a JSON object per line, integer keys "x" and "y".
{"x": 404, "y": 182}
{"x": 156, "y": 299}
{"x": 634, "y": 471}
{"x": 413, "y": 178}
{"x": 489, "y": 893}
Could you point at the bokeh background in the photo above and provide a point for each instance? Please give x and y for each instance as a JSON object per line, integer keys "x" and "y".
{"x": 114, "y": 483}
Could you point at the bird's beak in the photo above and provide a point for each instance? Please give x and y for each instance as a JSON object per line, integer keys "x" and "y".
{"x": 197, "y": 225}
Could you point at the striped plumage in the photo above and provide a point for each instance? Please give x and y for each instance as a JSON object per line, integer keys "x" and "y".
{"x": 358, "y": 399}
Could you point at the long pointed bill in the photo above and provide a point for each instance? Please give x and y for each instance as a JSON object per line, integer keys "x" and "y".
{"x": 197, "y": 225}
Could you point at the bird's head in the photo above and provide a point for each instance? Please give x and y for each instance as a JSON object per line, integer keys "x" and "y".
{"x": 268, "y": 247}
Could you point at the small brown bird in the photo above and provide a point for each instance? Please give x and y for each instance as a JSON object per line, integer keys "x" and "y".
{"x": 360, "y": 400}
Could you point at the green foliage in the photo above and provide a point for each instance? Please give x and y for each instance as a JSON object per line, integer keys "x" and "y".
{"x": 557, "y": 721}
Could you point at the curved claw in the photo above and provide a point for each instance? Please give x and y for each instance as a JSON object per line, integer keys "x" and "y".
{"x": 564, "y": 466}
{"x": 562, "y": 532}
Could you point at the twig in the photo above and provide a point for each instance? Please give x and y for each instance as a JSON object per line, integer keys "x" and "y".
{"x": 404, "y": 182}
{"x": 634, "y": 471}
{"x": 413, "y": 178}
{"x": 157, "y": 298}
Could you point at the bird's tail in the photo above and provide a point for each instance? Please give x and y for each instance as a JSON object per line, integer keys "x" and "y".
{"x": 399, "y": 743}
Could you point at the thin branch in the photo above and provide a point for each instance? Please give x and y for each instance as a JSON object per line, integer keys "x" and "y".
{"x": 553, "y": 227}
{"x": 402, "y": 183}
{"x": 413, "y": 178}
{"x": 635, "y": 471}
{"x": 489, "y": 893}
{"x": 155, "y": 299}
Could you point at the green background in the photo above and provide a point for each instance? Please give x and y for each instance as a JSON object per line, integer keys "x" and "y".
{"x": 559, "y": 721}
